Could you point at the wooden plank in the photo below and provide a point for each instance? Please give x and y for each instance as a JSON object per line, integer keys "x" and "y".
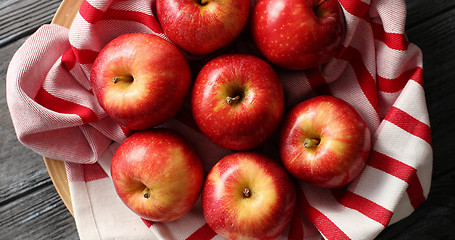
{"x": 39, "y": 215}
{"x": 419, "y": 11}
{"x": 21, "y": 18}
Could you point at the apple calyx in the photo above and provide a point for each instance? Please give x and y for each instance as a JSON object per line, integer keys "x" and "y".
{"x": 146, "y": 192}
{"x": 320, "y": 4}
{"x": 311, "y": 142}
{"x": 316, "y": 8}
{"x": 246, "y": 193}
{"x": 122, "y": 78}
{"x": 203, "y": 2}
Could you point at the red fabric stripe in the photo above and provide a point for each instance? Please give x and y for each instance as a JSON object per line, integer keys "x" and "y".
{"x": 322, "y": 222}
{"x": 391, "y": 166}
{"x": 363, "y": 205}
{"x": 395, "y": 84}
{"x": 366, "y": 81}
{"x": 317, "y": 81}
{"x": 140, "y": 17}
{"x": 418, "y": 76}
{"x": 355, "y": 7}
{"x": 392, "y": 40}
{"x": 59, "y": 105}
{"x": 85, "y": 56}
{"x": 90, "y": 13}
{"x": 148, "y": 223}
{"x": 69, "y": 59}
{"x": 296, "y": 228}
{"x": 204, "y": 232}
{"x": 409, "y": 124}
{"x": 402, "y": 171}
{"x": 93, "y": 172}
{"x": 415, "y": 191}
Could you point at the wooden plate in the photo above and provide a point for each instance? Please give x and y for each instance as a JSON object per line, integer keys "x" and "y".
{"x": 64, "y": 17}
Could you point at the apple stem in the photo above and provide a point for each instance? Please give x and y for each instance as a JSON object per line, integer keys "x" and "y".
{"x": 311, "y": 142}
{"x": 231, "y": 100}
{"x": 122, "y": 78}
{"x": 246, "y": 192}
{"x": 320, "y": 4}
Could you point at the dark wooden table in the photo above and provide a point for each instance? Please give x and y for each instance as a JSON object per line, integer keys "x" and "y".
{"x": 30, "y": 208}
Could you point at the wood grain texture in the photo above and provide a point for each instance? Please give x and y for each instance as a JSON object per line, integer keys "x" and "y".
{"x": 38, "y": 215}
{"x": 21, "y": 18}
{"x": 420, "y": 11}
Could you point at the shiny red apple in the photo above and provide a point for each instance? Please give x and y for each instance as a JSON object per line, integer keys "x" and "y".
{"x": 202, "y": 26}
{"x": 140, "y": 80}
{"x": 298, "y": 34}
{"x": 237, "y": 101}
{"x": 324, "y": 141}
{"x": 248, "y": 196}
{"x": 157, "y": 174}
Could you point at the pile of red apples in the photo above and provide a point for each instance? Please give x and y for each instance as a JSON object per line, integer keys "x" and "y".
{"x": 141, "y": 80}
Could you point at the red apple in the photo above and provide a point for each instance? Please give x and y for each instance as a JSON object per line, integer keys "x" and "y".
{"x": 157, "y": 174}
{"x": 202, "y": 26}
{"x": 248, "y": 196}
{"x": 237, "y": 101}
{"x": 140, "y": 80}
{"x": 324, "y": 141}
{"x": 298, "y": 34}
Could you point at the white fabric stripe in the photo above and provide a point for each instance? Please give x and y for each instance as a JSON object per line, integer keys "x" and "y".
{"x": 402, "y": 146}
{"x": 392, "y": 63}
{"x": 424, "y": 172}
{"x": 104, "y": 30}
{"x": 402, "y": 210}
{"x": 82, "y": 209}
{"x": 385, "y": 194}
{"x": 113, "y": 219}
{"x": 323, "y": 200}
{"x": 109, "y": 128}
{"x": 101, "y": 5}
{"x": 79, "y": 32}
{"x": 413, "y": 92}
{"x": 142, "y": 6}
{"x": 391, "y": 10}
{"x": 105, "y": 159}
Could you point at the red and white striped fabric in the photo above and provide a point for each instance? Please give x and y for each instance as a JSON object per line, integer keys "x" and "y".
{"x": 378, "y": 71}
